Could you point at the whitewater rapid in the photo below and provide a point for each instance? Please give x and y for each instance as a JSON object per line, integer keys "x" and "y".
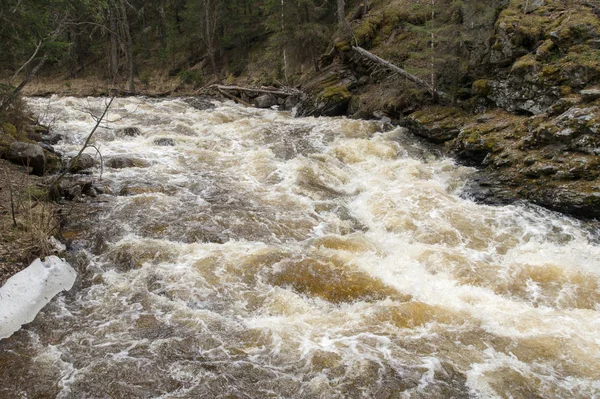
{"x": 267, "y": 256}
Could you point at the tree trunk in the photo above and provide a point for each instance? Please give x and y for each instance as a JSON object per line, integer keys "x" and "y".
{"x": 145, "y": 34}
{"x": 114, "y": 44}
{"x": 344, "y": 25}
{"x": 127, "y": 43}
{"x": 6, "y": 103}
{"x": 415, "y": 79}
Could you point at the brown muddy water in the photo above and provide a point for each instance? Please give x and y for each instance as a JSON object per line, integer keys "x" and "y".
{"x": 266, "y": 256}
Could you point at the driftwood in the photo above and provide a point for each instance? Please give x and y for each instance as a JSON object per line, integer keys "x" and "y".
{"x": 281, "y": 92}
{"x": 234, "y": 98}
{"x": 415, "y": 79}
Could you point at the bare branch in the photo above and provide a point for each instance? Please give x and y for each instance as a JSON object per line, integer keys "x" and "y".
{"x": 85, "y": 145}
{"x": 37, "y": 48}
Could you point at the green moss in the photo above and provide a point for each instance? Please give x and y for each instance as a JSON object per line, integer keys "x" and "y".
{"x": 545, "y": 50}
{"x": 480, "y": 87}
{"x": 442, "y": 116}
{"x": 10, "y": 129}
{"x": 336, "y": 94}
{"x": 524, "y": 65}
{"x": 343, "y": 46}
{"x": 367, "y": 30}
{"x": 584, "y": 55}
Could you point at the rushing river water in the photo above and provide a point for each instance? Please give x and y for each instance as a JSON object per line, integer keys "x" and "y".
{"x": 266, "y": 256}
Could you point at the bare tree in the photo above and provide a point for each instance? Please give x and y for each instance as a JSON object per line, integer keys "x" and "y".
{"x": 344, "y": 25}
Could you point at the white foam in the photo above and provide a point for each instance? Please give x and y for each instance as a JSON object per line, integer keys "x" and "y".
{"x": 28, "y": 291}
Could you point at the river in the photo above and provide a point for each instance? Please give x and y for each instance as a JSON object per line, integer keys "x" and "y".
{"x": 267, "y": 256}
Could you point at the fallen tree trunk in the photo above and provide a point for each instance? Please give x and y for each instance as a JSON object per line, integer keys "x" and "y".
{"x": 234, "y": 98}
{"x": 282, "y": 92}
{"x": 415, "y": 79}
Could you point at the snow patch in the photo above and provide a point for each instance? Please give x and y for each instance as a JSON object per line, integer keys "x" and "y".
{"x": 28, "y": 291}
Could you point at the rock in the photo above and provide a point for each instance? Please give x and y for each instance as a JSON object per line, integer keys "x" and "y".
{"x": 85, "y": 161}
{"x": 164, "y": 142}
{"x": 121, "y": 162}
{"x": 520, "y": 94}
{"x": 568, "y": 129}
{"x": 28, "y": 154}
{"x": 436, "y": 125}
{"x": 291, "y": 102}
{"x": 48, "y": 148}
{"x": 71, "y": 192}
{"x": 328, "y": 93}
{"x": 51, "y": 139}
{"x": 332, "y": 101}
{"x": 265, "y": 101}
{"x": 91, "y": 192}
{"x": 533, "y": 5}
{"x": 200, "y": 104}
{"x": 141, "y": 188}
{"x": 590, "y": 95}
{"x": 128, "y": 132}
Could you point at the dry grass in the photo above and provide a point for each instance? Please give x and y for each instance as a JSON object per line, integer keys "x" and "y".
{"x": 155, "y": 83}
{"x": 36, "y": 220}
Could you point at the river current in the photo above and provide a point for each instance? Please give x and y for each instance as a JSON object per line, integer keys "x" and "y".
{"x": 267, "y": 256}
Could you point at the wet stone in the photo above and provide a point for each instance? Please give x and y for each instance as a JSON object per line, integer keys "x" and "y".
{"x": 164, "y": 142}
{"x": 122, "y": 162}
{"x": 128, "y": 132}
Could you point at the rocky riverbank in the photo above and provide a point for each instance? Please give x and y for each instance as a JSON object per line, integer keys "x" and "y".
{"x": 531, "y": 118}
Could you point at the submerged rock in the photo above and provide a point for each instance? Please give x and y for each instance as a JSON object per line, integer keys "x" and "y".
{"x": 121, "y": 162}
{"x": 201, "y": 104}
{"x": 128, "y": 132}
{"x": 164, "y": 142}
{"x": 265, "y": 101}
{"x": 84, "y": 162}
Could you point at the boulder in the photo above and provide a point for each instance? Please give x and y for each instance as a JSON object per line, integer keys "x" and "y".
{"x": 291, "y": 102}
{"x": 265, "y": 101}
{"x": 85, "y": 161}
{"x": 28, "y": 154}
{"x": 52, "y": 139}
{"x": 128, "y": 132}
{"x": 534, "y": 5}
{"x": 201, "y": 104}
{"x": 164, "y": 142}
{"x": 121, "y": 162}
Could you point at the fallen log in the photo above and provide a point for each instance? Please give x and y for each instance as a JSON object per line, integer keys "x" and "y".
{"x": 415, "y": 79}
{"x": 282, "y": 92}
{"x": 234, "y": 98}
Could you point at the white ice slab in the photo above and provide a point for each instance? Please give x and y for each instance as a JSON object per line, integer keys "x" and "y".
{"x": 27, "y": 292}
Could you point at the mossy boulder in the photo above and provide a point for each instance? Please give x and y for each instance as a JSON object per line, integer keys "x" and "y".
{"x": 437, "y": 124}
{"x": 28, "y": 154}
{"x": 328, "y": 93}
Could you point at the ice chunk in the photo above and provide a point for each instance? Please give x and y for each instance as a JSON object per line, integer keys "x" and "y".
{"x": 27, "y": 292}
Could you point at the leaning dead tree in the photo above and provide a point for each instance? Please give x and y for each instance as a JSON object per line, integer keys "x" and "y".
{"x": 54, "y": 183}
{"x": 388, "y": 65}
